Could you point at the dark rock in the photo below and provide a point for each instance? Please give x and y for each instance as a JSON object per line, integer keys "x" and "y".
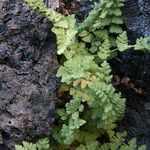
{"x": 80, "y": 8}
{"x": 138, "y": 22}
{"x": 144, "y": 6}
{"x": 85, "y": 7}
{"x": 52, "y": 3}
{"x": 3, "y": 147}
{"x": 136, "y": 66}
{"x": 28, "y": 66}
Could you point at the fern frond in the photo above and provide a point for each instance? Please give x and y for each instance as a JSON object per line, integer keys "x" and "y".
{"x": 115, "y": 29}
{"x": 104, "y": 50}
{"x": 122, "y": 42}
{"x": 86, "y": 24}
{"x": 142, "y": 43}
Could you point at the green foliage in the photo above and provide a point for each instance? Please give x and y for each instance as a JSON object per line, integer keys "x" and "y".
{"x": 65, "y": 31}
{"x": 118, "y": 142}
{"x": 42, "y": 144}
{"x": 26, "y": 146}
{"x": 95, "y": 105}
{"x": 104, "y": 50}
{"x": 82, "y": 67}
{"x": 122, "y": 42}
{"x": 63, "y": 27}
{"x": 142, "y": 43}
{"x": 105, "y": 13}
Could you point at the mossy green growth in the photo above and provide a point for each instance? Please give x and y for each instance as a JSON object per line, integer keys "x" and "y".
{"x": 95, "y": 106}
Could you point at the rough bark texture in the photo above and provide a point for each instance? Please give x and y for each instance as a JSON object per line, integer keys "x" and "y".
{"x": 28, "y": 66}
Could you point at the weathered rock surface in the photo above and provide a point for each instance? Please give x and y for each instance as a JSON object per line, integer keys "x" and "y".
{"x": 28, "y": 66}
{"x": 136, "y": 67}
{"x": 137, "y": 17}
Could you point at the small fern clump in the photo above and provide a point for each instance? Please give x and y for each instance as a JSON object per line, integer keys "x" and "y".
{"x": 42, "y": 144}
{"x": 95, "y": 105}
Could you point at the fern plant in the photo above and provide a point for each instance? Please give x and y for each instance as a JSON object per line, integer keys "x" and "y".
{"x": 42, "y": 144}
{"x": 95, "y": 105}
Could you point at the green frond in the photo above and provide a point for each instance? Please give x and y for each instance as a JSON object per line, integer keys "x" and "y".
{"x": 122, "y": 42}
{"x": 142, "y": 44}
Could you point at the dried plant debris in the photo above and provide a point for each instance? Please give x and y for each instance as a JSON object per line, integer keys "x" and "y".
{"x": 67, "y": 7}
{"x": 127, "y": 83}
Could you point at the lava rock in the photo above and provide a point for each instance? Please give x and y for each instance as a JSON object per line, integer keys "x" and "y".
{"x": 28, "y": 66}
{"x": 138, "y": 22}
{"x": 135, "y": 66}
{"x": 85, "y": 7}
{"x": 144, "y": 6}
{"x": 3, "y": 147}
